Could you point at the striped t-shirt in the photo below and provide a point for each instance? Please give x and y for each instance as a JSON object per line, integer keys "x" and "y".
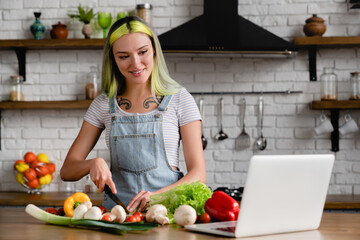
{"x": 181, "y": 110}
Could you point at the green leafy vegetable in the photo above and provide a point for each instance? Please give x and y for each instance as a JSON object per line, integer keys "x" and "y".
{"x": 119, "y": 228}
{"x": 194, "y": 194}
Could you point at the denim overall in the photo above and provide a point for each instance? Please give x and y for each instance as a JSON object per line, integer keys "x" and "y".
{"x": 138, "y": 157}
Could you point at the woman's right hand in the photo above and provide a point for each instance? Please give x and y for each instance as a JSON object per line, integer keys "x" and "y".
{"x": 100, "y": 174}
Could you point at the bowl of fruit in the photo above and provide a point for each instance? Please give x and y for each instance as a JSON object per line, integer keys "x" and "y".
{"x": 34, "y": 172}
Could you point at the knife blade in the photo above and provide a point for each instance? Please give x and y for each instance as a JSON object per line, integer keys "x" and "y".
{"x": 115, "y": 198}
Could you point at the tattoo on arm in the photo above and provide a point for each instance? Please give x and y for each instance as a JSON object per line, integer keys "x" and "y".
{"x": 148, "y": 101}
{"x": 124, "y": 101}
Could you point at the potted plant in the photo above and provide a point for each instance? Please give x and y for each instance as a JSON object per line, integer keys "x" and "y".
{"x": 84, "y": 15}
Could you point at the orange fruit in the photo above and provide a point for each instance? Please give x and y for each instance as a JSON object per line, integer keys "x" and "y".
{"x": 33, "y": 183}
{"x": 29, "y": 157}
{"x": 51, "y": 167}
{"x": 41, "y": 171}
{"x": 29, "y": 174}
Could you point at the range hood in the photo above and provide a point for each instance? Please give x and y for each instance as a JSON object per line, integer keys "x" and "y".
{"x": 221, "y": 30}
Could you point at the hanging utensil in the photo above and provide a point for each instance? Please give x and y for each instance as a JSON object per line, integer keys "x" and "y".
{"x": 243, "y": 140}
{"x": 261, "y": 141}
{"x": 202, "y": 112}
{"x": 221, "y": 135}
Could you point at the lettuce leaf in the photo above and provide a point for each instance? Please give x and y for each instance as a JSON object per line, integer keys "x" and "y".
{"x": 194, "y": 194}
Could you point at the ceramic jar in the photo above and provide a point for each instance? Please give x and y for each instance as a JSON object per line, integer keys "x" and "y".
{"x": 59, "y": 31}
{"x": 37, "y": 28}
{"x": 87, "y": 30}
{"x": 314, "y": 26}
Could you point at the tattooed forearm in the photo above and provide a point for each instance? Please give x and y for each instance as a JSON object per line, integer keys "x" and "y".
{"x": 124, "y": 101}
{"x": 148, "y": 101}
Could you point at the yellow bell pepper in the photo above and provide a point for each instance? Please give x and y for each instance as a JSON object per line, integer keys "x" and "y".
{"x": 21, "y": 167}
{"x": 74, "y": 200}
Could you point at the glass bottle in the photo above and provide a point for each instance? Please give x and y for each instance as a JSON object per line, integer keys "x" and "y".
{"x": 355, "y": 85}
{"x": 144, "y": 12}
{"x": 328, "y": 84}
{"x": 92, "y": 88}
{"x": 16, "y": 93}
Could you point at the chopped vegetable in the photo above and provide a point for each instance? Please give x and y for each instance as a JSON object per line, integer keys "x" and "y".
{"x": 42, "y": 215}
{"x": 194, "y": 194}
{"x": 52, "y": 211}
{"x": 73, "y": 201}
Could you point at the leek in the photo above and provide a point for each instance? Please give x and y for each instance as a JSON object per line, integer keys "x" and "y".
{"x": 120, "y": 228}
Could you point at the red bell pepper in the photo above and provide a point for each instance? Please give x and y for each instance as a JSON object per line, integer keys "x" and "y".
{"x": 222, "y": 207}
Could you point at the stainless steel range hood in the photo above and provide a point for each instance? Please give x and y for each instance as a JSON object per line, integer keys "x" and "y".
{"x": 221, "y": 30}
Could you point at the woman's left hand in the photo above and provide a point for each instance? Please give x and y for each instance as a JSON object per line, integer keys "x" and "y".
{"x": 140, "y": 200}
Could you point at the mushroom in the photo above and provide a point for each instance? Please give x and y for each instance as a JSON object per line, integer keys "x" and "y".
{"x": 94, "y": 213}
{"x": 119, "y": 212}
{"x": 157, "y": 213}
{"x": 88, "y": 204}
{"x": 185, "y": 215}
{"x": 80, "y": 211}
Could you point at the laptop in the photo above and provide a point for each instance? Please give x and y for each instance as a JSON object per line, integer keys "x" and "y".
{"x": 282, "y": 193}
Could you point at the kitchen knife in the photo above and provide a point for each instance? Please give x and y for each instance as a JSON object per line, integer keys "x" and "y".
{"x": 115, "y": 198}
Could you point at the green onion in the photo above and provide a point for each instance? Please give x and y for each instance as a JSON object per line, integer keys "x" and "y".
{"x": 119, "y": 228}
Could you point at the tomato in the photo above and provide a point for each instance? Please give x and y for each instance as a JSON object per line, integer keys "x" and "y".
{"x": 60, "y": 212}
{"x": 103, "y": 209}
{"x": 17, "y": 162}
{"x": 42, "y": 171}
{"x": 33, "y": 183}
{"x": 205, "y": 218}
{"x": 106, "y": 218}
{"x": 139, "y": 214}
{"x": 132, "y": 219}
{"x": 51, "y": 167}
{"x": 29, "y": 157}
{"x": 52, "y": 211}
{"x": 29, "y": 174}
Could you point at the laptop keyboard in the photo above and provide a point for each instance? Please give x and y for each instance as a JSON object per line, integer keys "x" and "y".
{"x": 226, "y": 229}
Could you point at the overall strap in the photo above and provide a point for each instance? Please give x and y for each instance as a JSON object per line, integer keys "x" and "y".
{"x": 164, "y": 103}
{"x": 112, "y": 105}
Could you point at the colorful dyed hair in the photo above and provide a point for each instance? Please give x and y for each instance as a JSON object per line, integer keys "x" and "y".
{"x": 113, "y": 82}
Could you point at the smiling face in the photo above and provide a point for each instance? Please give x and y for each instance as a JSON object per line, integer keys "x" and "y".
{"x": 134, "y": 56}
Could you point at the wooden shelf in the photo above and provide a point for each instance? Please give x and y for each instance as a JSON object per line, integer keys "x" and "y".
{"x": 343, "y": 104}
{"x": 313, "y": 43}
{"x": 91, "y": 43}
{"x": 327, "y": 41}
{"x": 79, "y": 104}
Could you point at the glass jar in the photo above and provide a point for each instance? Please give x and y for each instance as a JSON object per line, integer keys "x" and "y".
{"x": 16, "y": 93}
{"x": 144, "y": 12}
{"x": 355, "y": 86}
{"x": 92, "y": 88}
{"x": 328, "y": 84}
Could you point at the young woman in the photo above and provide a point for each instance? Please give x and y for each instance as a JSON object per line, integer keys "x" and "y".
{"x": 145, "y": 113}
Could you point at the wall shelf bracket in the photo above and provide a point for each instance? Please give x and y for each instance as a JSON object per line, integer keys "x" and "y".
{"x": 335, "y": 134}
{"x": 312, "y": 63}
{"x": 21, "y": 56}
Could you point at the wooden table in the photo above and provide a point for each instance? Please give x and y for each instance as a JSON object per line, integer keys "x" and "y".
{"x": 15, "y": 224}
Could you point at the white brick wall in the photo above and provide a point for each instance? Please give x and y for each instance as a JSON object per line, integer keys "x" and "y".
{"x": 289, "y": 122}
